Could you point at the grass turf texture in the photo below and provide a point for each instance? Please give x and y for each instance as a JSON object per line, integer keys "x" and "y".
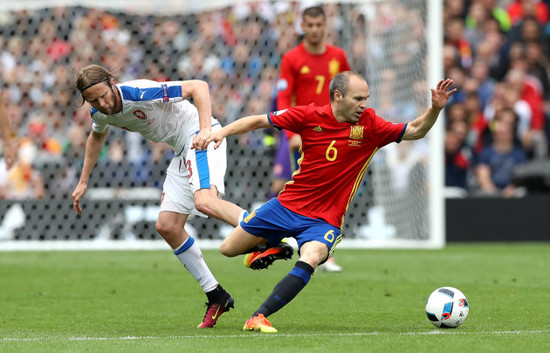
{"x": 144, "y": 301}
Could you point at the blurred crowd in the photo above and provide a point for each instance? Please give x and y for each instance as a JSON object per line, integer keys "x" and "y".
{"x": 496, "y": 52}
{"x": 236, "y": 49}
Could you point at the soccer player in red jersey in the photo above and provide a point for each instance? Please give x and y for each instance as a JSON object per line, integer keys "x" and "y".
{"x": 306, "y": 71}
{"x": 339, "y": 141}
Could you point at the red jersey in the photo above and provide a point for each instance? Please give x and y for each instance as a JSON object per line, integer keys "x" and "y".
{"x": 308, "y": 74}
{"x": 334, "y": 158}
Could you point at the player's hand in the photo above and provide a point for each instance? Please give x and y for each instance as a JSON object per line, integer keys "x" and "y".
{"x": 216, "y": 137}
{"x": 199, "y": 141}
{"x": 78, "y": 192}
{"x": 441, "y": 93}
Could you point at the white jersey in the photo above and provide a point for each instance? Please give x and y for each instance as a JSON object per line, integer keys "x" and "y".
{"x": 154, "y": 109}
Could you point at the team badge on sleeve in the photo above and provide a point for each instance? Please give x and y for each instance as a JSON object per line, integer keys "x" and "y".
{"x": 140, "y": 114}
{"x": 282, "y": 84}
{"x": 279, "y": 112}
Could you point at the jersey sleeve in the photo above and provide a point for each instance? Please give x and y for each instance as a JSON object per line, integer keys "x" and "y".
{"x": 98, "y": 125}
{"x": 289, "y": 119}
{"x": 148, "y": 90}
{"x": 387, "y": 132}
{"x": 285, "y": 84}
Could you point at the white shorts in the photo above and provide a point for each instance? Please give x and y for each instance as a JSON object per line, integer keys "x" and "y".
{"x": 198, "y": 170}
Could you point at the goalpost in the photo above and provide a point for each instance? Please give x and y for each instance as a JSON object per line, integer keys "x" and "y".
{"x": 236, "y": 47}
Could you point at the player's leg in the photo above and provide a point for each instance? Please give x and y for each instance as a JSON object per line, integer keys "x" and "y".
{"x": 311, "y": 254}
{"x": 206, "y": 170}
{"x": 208, "y": 202}
{"x": 177, "y": 203}
{"x": 271, "y": 222}
{"x": 316, "y": 243}
{"x": 240, "y": 242}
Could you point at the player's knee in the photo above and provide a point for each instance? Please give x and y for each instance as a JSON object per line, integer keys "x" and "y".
{"x": 165, "y": 229}
{"x": 314, "y": 255}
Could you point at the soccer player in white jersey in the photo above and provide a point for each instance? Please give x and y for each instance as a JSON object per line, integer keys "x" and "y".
{"x": 161, "y": 112}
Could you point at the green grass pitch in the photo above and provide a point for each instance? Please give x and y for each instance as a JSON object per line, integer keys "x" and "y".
{"x": 144, "y": 301}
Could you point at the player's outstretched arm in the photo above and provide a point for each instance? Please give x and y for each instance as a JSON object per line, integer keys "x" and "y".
{"x": 199, "y": 91}
{"x": 94, "y": 145}
{"x": 240, "y": 126}
{"x": 419, "y": 127}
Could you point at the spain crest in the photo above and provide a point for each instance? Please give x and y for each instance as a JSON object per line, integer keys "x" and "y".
{"x": 356, "y": 132}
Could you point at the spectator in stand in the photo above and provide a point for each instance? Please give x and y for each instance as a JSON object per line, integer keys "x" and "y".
{"x": 527, "y": 31}
{"x": 537, "y": 65}
{"x": 498, "y": 161}
{"x": 454, "y": 35}
{"x": 508, "y": 97}
{"x": 450, "y": 57}
{"x": 306, "y": 72}
{"x": 491, "y": 10}
{"x": 458, "y": 156}
{"x": 454, "y": 8}
{"x": 530, "y": 90}
{"x": 520, "y": 9}
{"x": 485, "y": 83}
{"x": 475, "y": 30}
{"x": 476, "y": 121}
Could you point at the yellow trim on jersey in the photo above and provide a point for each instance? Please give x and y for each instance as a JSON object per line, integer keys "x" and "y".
{"x": 358, "y": 182}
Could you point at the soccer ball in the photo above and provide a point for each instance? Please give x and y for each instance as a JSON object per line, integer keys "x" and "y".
{"x": 447, "y": 307}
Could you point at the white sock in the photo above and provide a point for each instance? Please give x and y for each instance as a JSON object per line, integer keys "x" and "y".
{"x": 190, "y": 256}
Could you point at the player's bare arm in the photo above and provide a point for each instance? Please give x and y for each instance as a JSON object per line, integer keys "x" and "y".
{"x": 241, "y": 126}
{"x": 419, "y": 127}
{"x": 199, "y": 91}
{"x": 94, "y": 145}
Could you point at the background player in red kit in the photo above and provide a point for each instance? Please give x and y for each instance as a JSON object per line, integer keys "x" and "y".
{"x": 339, "y": 141}
{"x": 306, "y": 71}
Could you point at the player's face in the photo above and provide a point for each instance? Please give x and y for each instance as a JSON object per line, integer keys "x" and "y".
{"x": 354, "y": 103}
{"x": 103, "y": 97}
{"x": 314, "y": 29}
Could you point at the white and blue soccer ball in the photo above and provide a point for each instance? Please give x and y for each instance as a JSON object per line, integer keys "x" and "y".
{"x": 447, "y": 307}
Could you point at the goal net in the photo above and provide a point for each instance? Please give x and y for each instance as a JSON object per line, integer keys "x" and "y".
{"x": 236, "y": 47}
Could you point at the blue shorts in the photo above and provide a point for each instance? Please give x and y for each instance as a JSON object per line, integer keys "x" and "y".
{"x": 274, "y": 222}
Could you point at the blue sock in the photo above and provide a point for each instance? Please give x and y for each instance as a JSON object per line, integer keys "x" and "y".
{"x": 287, "y": 289}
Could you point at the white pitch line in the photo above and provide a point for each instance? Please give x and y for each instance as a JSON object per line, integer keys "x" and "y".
{"x": 251, "y": 335}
